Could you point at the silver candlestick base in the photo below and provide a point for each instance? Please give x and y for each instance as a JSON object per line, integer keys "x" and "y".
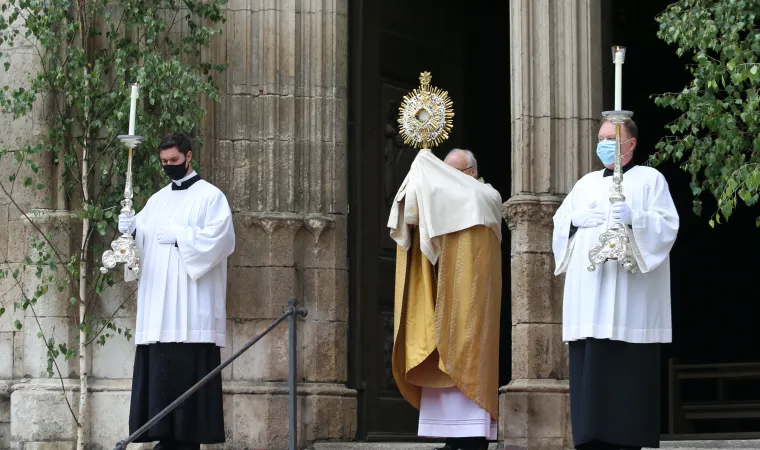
{"x": 615, "y": 243}
{"x": 124, "y": 249}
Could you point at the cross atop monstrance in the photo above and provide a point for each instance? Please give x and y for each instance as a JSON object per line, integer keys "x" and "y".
{"x": 426, "y": 115}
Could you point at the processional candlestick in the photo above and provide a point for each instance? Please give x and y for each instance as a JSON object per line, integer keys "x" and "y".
{"x": 124, "y": 249}
{"x": 615, "y": 243}
{"x": 426, "y": 115}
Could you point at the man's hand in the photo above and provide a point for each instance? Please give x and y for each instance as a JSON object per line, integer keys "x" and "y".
{"x": 588, "y": 217}
{"x": 166, "y": 235}
{"x": 126, "y": 223}
{"x": 621, "y": 213}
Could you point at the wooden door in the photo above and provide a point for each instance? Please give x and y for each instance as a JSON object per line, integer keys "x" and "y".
{"x": 391, "y": 42}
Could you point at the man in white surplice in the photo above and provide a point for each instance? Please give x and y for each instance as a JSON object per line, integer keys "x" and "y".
{"x": 184, "y": 234}
{"x": 615, "y": 321}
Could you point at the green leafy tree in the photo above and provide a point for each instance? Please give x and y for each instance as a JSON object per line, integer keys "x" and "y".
{"x": 88, "y": 51}
{"x": 717, "y": 137}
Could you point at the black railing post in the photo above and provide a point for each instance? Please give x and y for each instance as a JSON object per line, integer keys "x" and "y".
{"x": 293, "y": 371}
{"x": 292, "y": 374}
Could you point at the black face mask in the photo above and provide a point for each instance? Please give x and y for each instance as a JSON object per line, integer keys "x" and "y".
{"x": 177, "y": 171}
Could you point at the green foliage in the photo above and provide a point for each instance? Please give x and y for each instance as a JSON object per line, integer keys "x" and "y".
{"x": 89, "y": 52}
{"x": 717, "y": 138}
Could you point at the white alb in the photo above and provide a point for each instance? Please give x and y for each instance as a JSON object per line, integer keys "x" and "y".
{"x": 182, "y": 289}
{"x": 611, "y": 303}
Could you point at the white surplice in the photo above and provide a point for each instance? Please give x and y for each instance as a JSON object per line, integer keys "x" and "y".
{"x": 181, "y": 295}
{"x": 610, "y": 303}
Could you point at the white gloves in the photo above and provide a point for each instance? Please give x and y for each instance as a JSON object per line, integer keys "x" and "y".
{"x": 621, "y": 213}
{"x": 588, "y": 217}
{"x": 166, "y": 235}
{"x": 126, "y": 223}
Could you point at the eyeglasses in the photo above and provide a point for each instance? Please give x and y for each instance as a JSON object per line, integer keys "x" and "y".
{"x": 602, "y": 139}
{"x": 466, "y": 168}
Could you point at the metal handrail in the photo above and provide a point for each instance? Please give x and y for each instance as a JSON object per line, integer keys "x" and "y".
{"x": 293, "y": 312}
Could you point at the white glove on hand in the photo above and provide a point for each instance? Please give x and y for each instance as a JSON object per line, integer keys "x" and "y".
{"x": 166, "y": 235}
{"x": 621, "y": 213}
{"x": 126, "y": 223}
{"x": 588, "y": 217}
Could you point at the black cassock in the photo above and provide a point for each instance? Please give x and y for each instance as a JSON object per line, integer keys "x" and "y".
{"x": 614, "y": 394}
{"x": 162, "y": 373}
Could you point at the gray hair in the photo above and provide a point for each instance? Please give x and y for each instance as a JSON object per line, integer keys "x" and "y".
{"x": 471, "y": 161}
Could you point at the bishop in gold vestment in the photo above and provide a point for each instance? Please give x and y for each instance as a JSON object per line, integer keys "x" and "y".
{"x": 447, "y": 225}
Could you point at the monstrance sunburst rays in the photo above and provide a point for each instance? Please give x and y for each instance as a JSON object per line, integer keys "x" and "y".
{"x": 426, "y": 115}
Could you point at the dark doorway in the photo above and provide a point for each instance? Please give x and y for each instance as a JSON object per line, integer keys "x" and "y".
{"x": 391, "y": 42}
{"x": 714, "y": 289}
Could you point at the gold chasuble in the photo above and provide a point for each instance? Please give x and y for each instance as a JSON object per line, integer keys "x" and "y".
{"x": 447, "y": 324}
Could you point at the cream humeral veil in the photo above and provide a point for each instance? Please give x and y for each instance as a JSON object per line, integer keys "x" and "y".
{"x": 440, "y": 199}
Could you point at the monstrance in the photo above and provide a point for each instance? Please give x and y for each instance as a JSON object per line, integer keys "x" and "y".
{"x": 615, "y": 243}
{"x": 426, "y": 115}
{"x": 124, "y": 249}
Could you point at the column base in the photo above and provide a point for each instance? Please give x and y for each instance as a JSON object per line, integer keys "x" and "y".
{"x": 535, "y": 415}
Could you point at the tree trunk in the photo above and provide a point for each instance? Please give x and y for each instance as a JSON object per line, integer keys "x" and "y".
{"x": 83, "y": 268}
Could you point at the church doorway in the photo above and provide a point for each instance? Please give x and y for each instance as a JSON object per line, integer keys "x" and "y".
{"x": 390, "y": 43}
{"x": 714, "y": 289}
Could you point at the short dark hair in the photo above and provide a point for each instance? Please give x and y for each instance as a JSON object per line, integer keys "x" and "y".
{"x": 629, "y": 126}
{"x": 633, "y": 130}
{"x": 177, "y": 140}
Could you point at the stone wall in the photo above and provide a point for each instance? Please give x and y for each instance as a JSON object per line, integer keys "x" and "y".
{"x": 20, "y": 350}
{"x": 276, "y": 145}
{"x": 556, "y": 103}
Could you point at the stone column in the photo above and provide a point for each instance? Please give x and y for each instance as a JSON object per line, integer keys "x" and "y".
{"x": 276, "y": 145}
{"x": 556, "y": 102}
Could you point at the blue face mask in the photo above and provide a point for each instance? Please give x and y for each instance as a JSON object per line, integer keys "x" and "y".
{"x": 605, "y": 150}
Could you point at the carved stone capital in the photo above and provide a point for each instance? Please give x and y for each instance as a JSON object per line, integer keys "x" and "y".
{"x": 271, "y": 221}
{"x": 530, "y": 209}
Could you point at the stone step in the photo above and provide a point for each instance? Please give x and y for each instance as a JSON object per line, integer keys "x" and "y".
{"x": 680, "y": 445}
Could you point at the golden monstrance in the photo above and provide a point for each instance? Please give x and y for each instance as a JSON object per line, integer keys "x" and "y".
{"x": 426, "y": 115}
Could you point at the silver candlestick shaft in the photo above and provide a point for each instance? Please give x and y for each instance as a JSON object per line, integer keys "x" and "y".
{"x": 615, "y": 244}
{"x": 123, "y": 249}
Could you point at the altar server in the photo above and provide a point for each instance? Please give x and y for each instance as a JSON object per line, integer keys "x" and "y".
{"x": 613, "y": 320}
{"x": 184, "y": 234}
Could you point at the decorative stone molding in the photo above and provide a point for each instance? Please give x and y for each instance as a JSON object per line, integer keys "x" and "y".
{"x": 534, "y": 209}
{"x": 270, "y": 221}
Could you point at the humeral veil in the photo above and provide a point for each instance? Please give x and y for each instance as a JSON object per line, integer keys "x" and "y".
{"x": 448, "y": 283}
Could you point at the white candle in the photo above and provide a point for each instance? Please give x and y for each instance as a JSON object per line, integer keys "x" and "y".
{"x": 618, "y": 80}
{"x": 133, "y": 110}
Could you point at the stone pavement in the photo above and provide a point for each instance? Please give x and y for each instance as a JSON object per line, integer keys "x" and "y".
{"x": 680, "y": 445}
